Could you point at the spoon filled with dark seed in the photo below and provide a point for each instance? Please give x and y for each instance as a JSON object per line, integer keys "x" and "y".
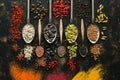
{"x": 50, "y": 30}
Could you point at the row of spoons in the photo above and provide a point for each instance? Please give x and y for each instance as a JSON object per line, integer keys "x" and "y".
{"x": 50, "y": 31}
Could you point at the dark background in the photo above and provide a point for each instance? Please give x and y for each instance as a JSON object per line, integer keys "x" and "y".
{"x": 110, "y": 58}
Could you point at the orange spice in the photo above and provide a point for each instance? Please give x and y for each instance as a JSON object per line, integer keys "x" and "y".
{"x": 18, "y": 73}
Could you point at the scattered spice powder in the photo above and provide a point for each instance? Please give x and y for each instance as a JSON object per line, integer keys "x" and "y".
{"x": 95, "y": 73}
{"x": 18, "y": 73}
{"x": 56, "y": 76}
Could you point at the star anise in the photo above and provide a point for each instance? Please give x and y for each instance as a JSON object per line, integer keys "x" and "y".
{"x": 20, "y": 56}
{"x": 15, "y": 47}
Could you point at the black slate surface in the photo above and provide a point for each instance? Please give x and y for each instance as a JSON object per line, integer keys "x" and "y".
{"x": 110, "y": 58}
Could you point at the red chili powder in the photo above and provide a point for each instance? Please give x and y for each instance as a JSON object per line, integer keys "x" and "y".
{"x": 57, "y": 76}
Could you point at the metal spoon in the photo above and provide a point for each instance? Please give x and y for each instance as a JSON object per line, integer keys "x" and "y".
{"x": 50, "y": 30}
{"x": 28, "y": 31}
{"x": 83, "y": 49}
{"x": 71, "y": 23}
{"x": 93, "y": 25}
{"x": 39, "y": 49}
{"x": 61, "y": 49}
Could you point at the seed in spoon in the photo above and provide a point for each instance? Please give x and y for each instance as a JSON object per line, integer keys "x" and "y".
{"x": 71, "y": 33}
{"x": 61, "y": 51}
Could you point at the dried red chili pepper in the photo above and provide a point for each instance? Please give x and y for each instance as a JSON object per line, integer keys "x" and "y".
{"x": 15, "y": 33}
{"x": 16, "y": 22}
{"x": 60, "y": 8}
{"x": 72, "y": 64}
{"x": 52, "y": 64}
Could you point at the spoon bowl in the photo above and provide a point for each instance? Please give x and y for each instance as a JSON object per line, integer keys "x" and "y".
{"x": 28, "y": 33}
{"x": 93, "y": 33}
{"x": 83, "y": 51}
{"x": 71, "y": 34}
{"x": 50, "y": 30}
{"x": 61, "y": 51}
{"x": 50, "y": 33}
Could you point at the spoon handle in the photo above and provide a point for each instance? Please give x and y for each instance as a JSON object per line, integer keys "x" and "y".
{"x": 39, "y": 30}
{"x": 93, "y": 16}
{"x": 82, "y": 30}
{"x": 50, "y": 10}
{"x": 61, "y": 30}
{"x": 28, "y": 11}
{"x": 71, "y": 13}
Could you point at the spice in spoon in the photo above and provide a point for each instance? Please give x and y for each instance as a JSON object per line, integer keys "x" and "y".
{"x": 71, "y": 32}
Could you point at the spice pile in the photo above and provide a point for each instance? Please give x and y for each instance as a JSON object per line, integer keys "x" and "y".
{"x": 15, "y": 23}
{"x": 38, "y": 10}
{"x": 101, "y": 18}
{"x": 83, "y": 10}
{"x": 96, "y": 50}
{"x": 61, "y": 8}
{"x": 72, "y": 50}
